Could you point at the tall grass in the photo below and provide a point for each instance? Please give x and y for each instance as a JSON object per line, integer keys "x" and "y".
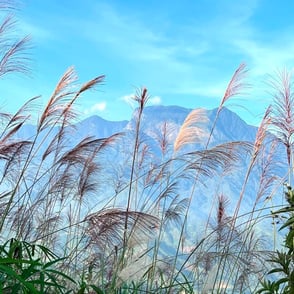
{"x": 51, "y": 201}
{"x": 56, "y": 193}
{"x": 73, "y": 220}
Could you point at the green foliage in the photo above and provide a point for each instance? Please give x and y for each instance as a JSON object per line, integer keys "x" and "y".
{"x": 283, "y": 261}
{"x": 269, "y": 287}
{"x": 64, "y": 227}
{"x": 30, "y": 268}
{"x": 111, "y": 249}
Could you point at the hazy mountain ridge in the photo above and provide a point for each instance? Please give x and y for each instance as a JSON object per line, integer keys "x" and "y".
{"x": 229, "y": 127}
{"x": 99, "y": 127}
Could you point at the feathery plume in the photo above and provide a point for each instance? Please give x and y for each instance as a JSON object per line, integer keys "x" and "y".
{"x": 282, "y": 119}
{"x": 13, "y": 54}
{"x": 176, "y": 210}
{"x": 106, "y": 227}
{"x": 14, "y": 59}
{"x": 192, "y": 130}
{"x": 235, "y": 85}
{"x": 261, "y": 133}
{"x": 209, "y": 161}
{"x": 54, "y": 109}
{"x": 221, "y": 214}
{"x": 92, "y": 83}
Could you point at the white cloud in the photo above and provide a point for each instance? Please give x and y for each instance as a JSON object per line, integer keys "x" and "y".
{"x": 196, "y": 56}
{"x": 132, "y": 40}
{"x": 98, "y": 107}
{"x": 163, "y": 56}
{"x": 156, "y": 100}
{"x": 129, "y": 99}
{"x": 216, "y": 90}
{"x": 267, "y": 58}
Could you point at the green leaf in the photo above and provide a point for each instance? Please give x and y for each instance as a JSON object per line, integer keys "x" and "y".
{"x": 97, "y": 289}
{"x": 9, "y": 260}
{"x": 12, "y": 274}
{"x": 276, "y": 270}
{"x": 290, "y": 239}
{"x": 282, "y": 281}
{"x": 58, "y": 273}
{"x": 288, "y": 223}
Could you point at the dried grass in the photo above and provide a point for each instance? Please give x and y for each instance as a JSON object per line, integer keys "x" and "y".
{"x": 47, "y": 189}
{"x": 193, "y": 130}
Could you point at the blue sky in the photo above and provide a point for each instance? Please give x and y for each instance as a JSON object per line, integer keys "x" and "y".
{"x": 184, "y": 52}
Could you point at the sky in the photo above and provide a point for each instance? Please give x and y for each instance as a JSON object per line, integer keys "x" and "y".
{"x": 184, "y": 52}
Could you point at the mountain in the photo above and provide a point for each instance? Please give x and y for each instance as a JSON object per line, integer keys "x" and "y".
{"x": 98, "y": 127}
{"x": 157, "y": 119}
{"x": 158, "y": 183}
{"x": 229, "y": 127}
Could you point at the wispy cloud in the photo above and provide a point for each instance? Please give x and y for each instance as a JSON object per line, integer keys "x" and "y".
{"x": 37, "y": 32}
{"x": 164, "y": 53}
{"x": 156, "y": 100}
{"x": 129, "y": 99}
{"x": 174, "y": 50}
{"x": 97, "y": 107}
{"x": 267, "y": 57}
{"x": 133, "y": 41}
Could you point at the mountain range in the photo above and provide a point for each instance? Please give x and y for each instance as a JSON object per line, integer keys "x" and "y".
{"x": 229, "y": 127}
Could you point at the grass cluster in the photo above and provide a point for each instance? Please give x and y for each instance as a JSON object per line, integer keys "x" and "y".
{"x": 73, "y": 220}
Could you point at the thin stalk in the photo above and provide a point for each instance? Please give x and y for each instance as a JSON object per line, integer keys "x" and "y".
{"x": 142, "y": 101}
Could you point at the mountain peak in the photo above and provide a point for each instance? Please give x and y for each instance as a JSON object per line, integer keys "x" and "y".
{"x": 230, "y": 127}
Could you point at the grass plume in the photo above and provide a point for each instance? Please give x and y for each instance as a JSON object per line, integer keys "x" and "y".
{"x": 122, "y": 211}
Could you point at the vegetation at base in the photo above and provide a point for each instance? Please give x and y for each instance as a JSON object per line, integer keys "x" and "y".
{"x": 73, "y": 220}
{"x": 283, "y": 261}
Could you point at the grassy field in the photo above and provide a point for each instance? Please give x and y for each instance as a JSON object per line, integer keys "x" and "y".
{"x": 56, "y": 238}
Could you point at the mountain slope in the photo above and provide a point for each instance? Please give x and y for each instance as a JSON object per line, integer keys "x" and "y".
{"x": 229, "y": 127}
{"x": 98, "y": 127}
